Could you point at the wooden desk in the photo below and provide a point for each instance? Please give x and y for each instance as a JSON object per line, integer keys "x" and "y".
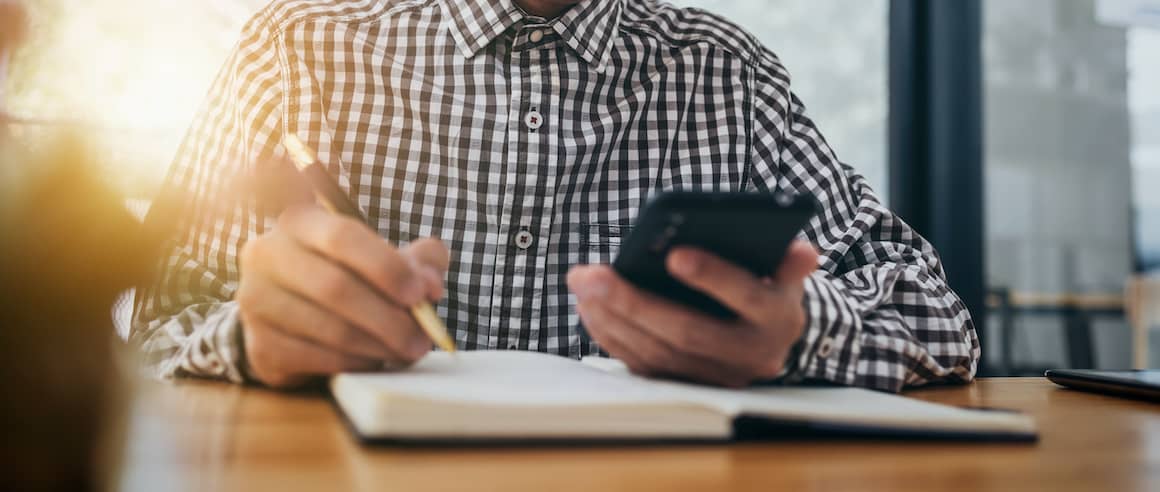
{"x": 219, "y": 437}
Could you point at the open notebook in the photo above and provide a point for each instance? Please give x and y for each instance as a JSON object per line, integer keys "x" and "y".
{"x": 526, "y": 396}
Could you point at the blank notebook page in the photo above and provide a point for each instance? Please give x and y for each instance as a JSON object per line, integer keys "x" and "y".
{"x": 837, "y": 404}
{"x": 516, "y": 378}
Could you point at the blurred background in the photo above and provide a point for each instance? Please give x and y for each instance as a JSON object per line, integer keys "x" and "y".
{"x": 1068, "y": 212}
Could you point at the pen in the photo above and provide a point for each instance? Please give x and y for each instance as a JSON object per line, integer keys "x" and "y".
{"x": 335, "y": 200}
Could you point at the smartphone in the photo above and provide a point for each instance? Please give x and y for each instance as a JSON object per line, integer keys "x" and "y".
{"x": 751, "y": 230}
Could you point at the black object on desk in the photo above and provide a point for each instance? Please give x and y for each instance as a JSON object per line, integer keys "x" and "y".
{"x": 751, "y": 230}
{"x": 1134, "y": 384}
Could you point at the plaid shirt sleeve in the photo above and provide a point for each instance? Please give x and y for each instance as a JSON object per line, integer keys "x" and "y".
{"x": 880, "y": 313}
{"x": 185, "y": 322}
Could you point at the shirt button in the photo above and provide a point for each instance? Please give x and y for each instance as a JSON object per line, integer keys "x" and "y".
{"x": 826, "y": 347}
{"x": 524, "y": 239}
{"x": 536, "y": 36}
{"x": 534, "y": 120}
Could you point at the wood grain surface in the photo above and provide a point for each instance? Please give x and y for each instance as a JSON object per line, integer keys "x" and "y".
{"x": 213, "y": 436}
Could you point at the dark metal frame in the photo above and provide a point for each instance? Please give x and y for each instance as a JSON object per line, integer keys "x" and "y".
{"x": 936, "y": 137}
{"x": 1077, "y": 322}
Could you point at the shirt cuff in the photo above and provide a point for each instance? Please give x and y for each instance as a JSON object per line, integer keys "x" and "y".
{"x": 828, "y": 349}
{"x": 236, "y": 358}
{"x": 223, "y": 356}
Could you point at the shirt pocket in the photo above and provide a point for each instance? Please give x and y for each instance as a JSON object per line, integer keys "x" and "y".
{"x": 600, "y": 241}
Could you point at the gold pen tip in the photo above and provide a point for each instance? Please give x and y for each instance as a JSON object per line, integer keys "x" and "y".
{"x": 299, "y": 152}
{"x": 431, "y": 324}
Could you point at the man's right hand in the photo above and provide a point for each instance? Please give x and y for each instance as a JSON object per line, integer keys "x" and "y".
{"x": 322, "y": 294}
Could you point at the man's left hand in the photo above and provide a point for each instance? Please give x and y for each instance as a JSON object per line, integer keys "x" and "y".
{"x": 656, "y": 337}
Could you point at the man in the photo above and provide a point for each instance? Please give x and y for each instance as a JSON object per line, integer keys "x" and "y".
{"x": 501, "y": 150}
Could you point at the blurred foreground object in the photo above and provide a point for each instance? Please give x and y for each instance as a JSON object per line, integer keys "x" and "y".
{"x": 68, "y": 247}
{"x": 13, "y": 25}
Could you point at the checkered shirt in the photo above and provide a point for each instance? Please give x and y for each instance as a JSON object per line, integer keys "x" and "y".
{"x": 528, "y": 146}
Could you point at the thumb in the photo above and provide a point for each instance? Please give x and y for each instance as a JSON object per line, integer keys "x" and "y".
{"x": 429, "y": 252}
{"x": 801, "y": 259}
{"x": 431, "y": 259}
{"x": 275, "y": 184}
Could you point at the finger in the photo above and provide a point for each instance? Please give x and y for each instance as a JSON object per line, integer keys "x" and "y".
{"x": 611, "y": 340}
{"x": 304, "y": 319}
{"x": 353, "y": 245}
{"x": 336, "y": 290}
{"x": 276, "y": 185}
{"x": 433, "y": 259}
{"x": 654, "y": 357}
{"x": 801, "y": 259}
{"x": 729, "y": 284}
{"x": 432, "y": 283}
{"x": 431, "y": 252}
{"x": 678, "y": 326}
{"x": 281, "y": 360}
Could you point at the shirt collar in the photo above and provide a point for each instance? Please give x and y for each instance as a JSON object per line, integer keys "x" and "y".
{"x": 588, "y": 28}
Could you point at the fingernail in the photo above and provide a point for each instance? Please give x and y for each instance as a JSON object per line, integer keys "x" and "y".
{"x": 415, "y": 291}
{"x": 420, "y": 346}
{"x": 434, "y": 279}
{"x": 685, "y": 263}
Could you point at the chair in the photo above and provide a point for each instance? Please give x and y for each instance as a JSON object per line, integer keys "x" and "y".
{"x": 1142, "y": 307}
{"x": 1077, "y": 312}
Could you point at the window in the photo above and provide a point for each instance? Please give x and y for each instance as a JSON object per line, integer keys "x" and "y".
{"x": 836, "y": 51}
{"x": 1072, "y": 149}
{"x": 1144, "y": 105}
{"x": 130, "y": 72}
